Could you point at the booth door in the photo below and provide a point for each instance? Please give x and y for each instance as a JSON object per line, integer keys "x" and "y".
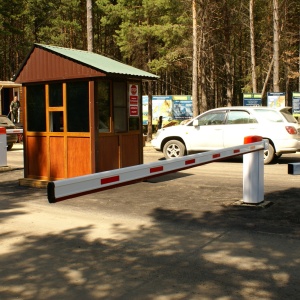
{"x": 120, "y": 133}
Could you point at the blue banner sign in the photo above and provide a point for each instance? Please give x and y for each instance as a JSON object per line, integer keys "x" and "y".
{"x": 178, "y": 107}
{"x": 296, "y": 104}
{"x": 254, "y": 99}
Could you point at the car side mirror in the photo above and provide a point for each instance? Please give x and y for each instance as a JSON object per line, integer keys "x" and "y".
{"x": 196, "y": 123}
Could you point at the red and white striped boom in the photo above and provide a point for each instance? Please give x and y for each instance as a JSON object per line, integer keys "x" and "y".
{"x": 73, "y": 187}
{"x": 15, "y": 130}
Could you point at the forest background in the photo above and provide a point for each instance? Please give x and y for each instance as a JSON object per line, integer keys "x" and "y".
{"x": 215, "y": 50}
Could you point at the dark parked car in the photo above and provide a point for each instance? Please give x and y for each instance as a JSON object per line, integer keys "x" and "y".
{"x": 12, "y": 137}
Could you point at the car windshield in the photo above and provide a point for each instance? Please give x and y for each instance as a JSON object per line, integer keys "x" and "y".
{"x": 269, "y": 115}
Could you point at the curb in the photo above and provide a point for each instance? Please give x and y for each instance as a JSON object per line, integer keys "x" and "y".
{"x": 9, "y": 168}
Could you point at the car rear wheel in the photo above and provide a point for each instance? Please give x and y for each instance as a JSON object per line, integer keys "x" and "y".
{"x": 269, "y": 154}
{"x": 173, "y": 149}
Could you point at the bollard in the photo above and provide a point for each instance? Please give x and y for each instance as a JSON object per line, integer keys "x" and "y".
{"x": 3, "y": 147}
{"x": 253, "y": 173}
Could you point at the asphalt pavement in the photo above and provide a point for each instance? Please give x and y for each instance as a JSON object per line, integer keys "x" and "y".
{"x": 179, "y": 236}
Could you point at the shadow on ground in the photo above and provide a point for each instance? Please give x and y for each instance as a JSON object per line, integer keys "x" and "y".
{"x": 209, "y": 249}
{"x": 159, "y": 262}
{"x": 179, "y": 256}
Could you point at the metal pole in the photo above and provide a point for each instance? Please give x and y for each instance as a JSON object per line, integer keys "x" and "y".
{"x": 3, "y": 147}
{"x": 253, "y": 174}
{"x": 0, "y": 100}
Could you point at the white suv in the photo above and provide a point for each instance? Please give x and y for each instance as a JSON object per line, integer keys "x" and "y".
{"x": 227, "y": 126}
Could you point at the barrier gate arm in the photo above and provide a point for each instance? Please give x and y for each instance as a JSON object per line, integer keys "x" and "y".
{"x": 16, "y": 130}
{"x": 77, "y": 186}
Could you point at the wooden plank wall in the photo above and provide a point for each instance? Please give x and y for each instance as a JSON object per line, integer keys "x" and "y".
{"x": 57, "y": 157}
{"x": 119, "y": 151}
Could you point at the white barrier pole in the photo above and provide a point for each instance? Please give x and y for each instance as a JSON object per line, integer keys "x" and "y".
{"x": 14, "y": 131}
{"x": 3, "y": 147}
{"x": 253, "y": 174}
{"x": 76, "y": 186}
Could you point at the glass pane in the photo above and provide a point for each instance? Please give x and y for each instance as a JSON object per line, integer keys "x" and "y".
{"x": 78, "y": 106}
{"x": 120, "y": 106}
{"x": 240, "y": 117}
{"x": 56, "y": 121}
{"x": 119, "y": 93}
{"x": 103, "y": 99}
{"x": 36, "y": 108}
{"x": 212, "y": 118}
{"x": 269, "y": 115}
{"x": 120, "y": 119}
{"x": 134, "y": 124}
{"x": 288, "y": 116}
{"x": 55, "y": 94}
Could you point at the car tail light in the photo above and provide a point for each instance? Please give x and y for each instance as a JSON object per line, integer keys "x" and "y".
{"x": 291, "y": 129}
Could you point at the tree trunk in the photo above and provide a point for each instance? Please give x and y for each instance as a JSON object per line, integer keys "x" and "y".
{"x": 202, "y": 75}
{"x": 229, "y": 78}
{"x": 149, "y": 132}
{"x": 267, "y": 78}
{"x": 89, "y": 25}
{"x": 275, "y": 46}
{"x": 195, "y": 62}
{"x": 252, "y": 45}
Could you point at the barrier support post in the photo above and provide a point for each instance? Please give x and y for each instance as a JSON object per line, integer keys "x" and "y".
{"x": 3, "y": 147}
{"x": 253, "y": 173}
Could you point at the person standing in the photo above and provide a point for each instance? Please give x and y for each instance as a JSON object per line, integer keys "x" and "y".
{"x": 14, "y": 109}
{"x": 159, "y": 122}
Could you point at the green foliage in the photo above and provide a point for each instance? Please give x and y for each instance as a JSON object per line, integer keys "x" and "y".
{"x": 156, "y": 35}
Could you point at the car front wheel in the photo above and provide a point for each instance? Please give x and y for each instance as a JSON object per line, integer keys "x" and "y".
{"x": 173, "y": 149}
{"x": 269, "y": 154}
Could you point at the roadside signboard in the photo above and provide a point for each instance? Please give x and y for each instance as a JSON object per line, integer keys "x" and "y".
{"x": 161, "y": 106}
{"x": 254, "y": 99}
{"x": 182, "y": 107}
{"x": 296, "y": 104}
{"x": 276, "y": 99}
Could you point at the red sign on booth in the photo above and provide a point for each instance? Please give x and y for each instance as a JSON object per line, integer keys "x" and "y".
{"x": 133, "y": 89}
{"x": 133, "y": 100}
{"x": 134, "y": 111}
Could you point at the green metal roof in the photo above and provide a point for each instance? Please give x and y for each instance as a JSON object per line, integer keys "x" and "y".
{"x": 99, "y": 62}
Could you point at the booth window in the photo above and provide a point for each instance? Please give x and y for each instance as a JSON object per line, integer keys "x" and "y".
{"x": 36, "y": 108}
{"x": 78, "y": 106}
{"x": 55, "y": 95}
{"x": 120, "y": 106}
{"x": 56, "y": 121}
{"x": 56, "y": 115}
{"x": 134, "y": 123}
{"x": 103, "y": 99}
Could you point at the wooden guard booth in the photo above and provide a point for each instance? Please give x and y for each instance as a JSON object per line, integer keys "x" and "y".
{"x": 82, "y": 113}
